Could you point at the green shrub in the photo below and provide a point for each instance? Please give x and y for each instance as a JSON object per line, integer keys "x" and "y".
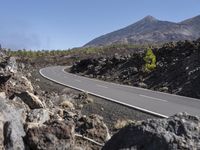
{"x": 150, "y": 61}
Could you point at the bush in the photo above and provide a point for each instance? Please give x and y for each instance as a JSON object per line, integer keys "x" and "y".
{"x": 150, "y": 60}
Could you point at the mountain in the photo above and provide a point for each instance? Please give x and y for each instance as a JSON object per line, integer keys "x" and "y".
{"x": 151, "y": 30}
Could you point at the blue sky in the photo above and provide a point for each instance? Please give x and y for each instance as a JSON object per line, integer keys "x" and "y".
{"x": 63, "y": 24}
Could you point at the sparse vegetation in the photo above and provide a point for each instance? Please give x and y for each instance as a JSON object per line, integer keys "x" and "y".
{"x": 67, "y": 104}
{"x": 150, "y": 61}
{"x": 76, "y": 51}
{"x": 42, "y": 58}
{"x": 121, "y": 123}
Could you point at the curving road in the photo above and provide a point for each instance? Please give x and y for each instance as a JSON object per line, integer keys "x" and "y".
{"x": 157, "y": 103}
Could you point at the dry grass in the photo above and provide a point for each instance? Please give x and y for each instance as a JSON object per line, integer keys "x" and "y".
{"x": 122, "y": 123}
{"x": 67, "y": 104}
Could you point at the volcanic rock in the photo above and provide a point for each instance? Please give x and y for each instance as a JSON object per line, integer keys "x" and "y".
{"x": 11, "y": 127}
{"x": 181, "y": 131}
{"x": 53, "y": 134}
{"x": 31, "y": 100}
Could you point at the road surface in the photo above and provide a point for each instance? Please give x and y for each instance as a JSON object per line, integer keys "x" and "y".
{"x": 157, "y": 103}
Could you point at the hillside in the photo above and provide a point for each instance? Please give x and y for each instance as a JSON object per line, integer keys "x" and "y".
{"x": 177, "y": 69}
{"x": 151, "y": 30}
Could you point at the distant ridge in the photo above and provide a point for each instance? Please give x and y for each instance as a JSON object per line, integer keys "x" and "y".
{"x": 151, "y": 30}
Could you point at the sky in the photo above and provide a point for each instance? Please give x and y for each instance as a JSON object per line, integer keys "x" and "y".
{"x": 63, "y": 24}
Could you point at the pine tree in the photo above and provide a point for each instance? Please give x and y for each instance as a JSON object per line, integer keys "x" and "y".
{"x": 150, "y": 60}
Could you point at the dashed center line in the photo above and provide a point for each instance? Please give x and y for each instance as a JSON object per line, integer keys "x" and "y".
{"x": 101, "y": 86}
{"x": 153, "y": 98}
{"x": 77, "y": 80}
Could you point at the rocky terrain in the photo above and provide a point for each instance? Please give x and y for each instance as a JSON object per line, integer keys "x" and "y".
{"x": 152, "y": 31}
{"x": 38, "y": 114}
{"x": 177, "y": 69}
{"x": 31, "y": 118}
{"x": 179, "y": 132}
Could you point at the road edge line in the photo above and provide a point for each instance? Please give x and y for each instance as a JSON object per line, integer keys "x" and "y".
{"x": 110, "y": 99}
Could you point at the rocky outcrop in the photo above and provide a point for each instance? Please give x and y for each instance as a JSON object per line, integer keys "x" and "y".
{"x": 12, "y": 114}
{"x": 12, "y": 81}
{"x": 11, "y": 127}
{"x": 52, "y": 135}
{"x": 34, "y": 119}
{"x": 93, "y": 127}
{"x": 31, "y": 100}
{"x": 180, "y": 131}
{"x": 17, "y": 84}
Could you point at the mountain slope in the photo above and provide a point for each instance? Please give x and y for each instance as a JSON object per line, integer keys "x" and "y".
{"x": 151, "y": 30}
{"x": 194, "y": 24}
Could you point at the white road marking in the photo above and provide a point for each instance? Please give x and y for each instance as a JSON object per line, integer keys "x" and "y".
{"x": 101, "y": 86}
{"x": 133, "y": 87}
{"x": 117, "y": 101}
{"x": 153, "y": 98}
{"x": 77, "y": 80}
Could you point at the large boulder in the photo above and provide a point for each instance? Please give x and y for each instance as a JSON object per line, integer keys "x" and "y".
{"x": 11, "y": 127}
{"x": 181, "y": 131}
{"x": 93, "y": 127}
{"x": 31, "y": 100}
{"x": 52, "y": 135}
{"x": 17, "y": 84}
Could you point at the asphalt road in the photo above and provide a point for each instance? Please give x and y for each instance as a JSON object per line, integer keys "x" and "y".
{"x": 153, "y": 102}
